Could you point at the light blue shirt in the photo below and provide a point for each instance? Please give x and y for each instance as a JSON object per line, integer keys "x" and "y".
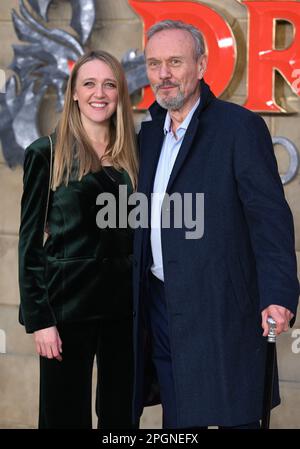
{"x": 169, "y": 152}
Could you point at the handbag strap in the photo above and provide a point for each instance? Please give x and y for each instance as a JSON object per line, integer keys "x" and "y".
{"x": 50, "y": 181}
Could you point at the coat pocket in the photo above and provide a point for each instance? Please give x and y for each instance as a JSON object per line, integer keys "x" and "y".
{"x": 73, "y": 286}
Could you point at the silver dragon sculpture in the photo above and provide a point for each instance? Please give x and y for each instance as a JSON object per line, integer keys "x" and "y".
{"x": 45, "y": 61}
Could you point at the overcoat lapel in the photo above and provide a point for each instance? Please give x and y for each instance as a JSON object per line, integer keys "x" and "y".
{"x": 151, "y": 141}
{"x": 205, "y": 99}
{"x": 184, "y": 149}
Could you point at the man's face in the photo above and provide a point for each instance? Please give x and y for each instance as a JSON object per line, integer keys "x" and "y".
{"x": 173, "y": 70}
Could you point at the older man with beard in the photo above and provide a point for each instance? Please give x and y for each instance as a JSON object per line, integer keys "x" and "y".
{"x": 203, "y": 303}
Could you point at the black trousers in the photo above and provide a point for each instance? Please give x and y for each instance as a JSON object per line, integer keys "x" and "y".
{"x": 162, "y": 357}
{"x": 66, "y": 386}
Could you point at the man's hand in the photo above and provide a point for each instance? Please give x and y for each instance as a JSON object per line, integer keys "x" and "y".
{"x": 280, "y": 314}
{"x": 48, "y": 343}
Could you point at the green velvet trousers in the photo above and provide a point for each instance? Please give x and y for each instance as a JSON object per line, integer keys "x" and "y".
{"x": 66, "y": 386}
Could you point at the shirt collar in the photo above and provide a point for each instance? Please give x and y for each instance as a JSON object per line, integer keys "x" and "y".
{"x": 184, "y": 125}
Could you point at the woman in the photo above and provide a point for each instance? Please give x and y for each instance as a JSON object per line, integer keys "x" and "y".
{"x": 76, "y": 289}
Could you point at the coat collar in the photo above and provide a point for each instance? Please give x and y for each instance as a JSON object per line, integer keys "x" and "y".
{"x": 154, "y": 134}
{"x": 159, "y": 114}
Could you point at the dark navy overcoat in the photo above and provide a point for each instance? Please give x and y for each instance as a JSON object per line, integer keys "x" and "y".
{"x": 217, "y": 286}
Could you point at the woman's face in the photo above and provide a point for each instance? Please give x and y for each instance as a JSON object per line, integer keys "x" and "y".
{"x": 96, "y": 92}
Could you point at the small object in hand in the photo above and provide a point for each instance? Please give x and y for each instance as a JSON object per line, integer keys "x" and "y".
{"x": 269, "y": 375}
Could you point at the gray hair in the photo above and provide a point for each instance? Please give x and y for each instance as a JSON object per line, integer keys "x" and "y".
{"x": 179, "y": 25}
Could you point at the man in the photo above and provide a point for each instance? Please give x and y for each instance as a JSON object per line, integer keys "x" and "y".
{"x": 204, "y": 301}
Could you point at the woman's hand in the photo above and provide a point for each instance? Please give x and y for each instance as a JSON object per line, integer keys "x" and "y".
{"x": 48, "y": 343}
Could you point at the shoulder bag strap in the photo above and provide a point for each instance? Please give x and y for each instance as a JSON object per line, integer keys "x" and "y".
{"x": 50, "y": 181}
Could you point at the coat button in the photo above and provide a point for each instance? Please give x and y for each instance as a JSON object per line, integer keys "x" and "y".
{"x": 134, "y": 314}
{"x": 105, "y": 260}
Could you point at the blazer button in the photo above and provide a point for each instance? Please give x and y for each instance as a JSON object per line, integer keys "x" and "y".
{"x": 105, "y": 260}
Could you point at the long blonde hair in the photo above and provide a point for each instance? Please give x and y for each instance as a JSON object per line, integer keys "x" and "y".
{"x": 72, "y": 142}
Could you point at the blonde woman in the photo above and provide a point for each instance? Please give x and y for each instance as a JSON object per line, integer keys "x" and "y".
{"x": 76, "y": 292}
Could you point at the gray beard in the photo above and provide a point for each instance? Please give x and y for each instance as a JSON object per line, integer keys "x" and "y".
{"x": 172, "y": 104}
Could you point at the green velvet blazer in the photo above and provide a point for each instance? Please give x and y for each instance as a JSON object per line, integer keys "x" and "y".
{"x": 82, "y": 272}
